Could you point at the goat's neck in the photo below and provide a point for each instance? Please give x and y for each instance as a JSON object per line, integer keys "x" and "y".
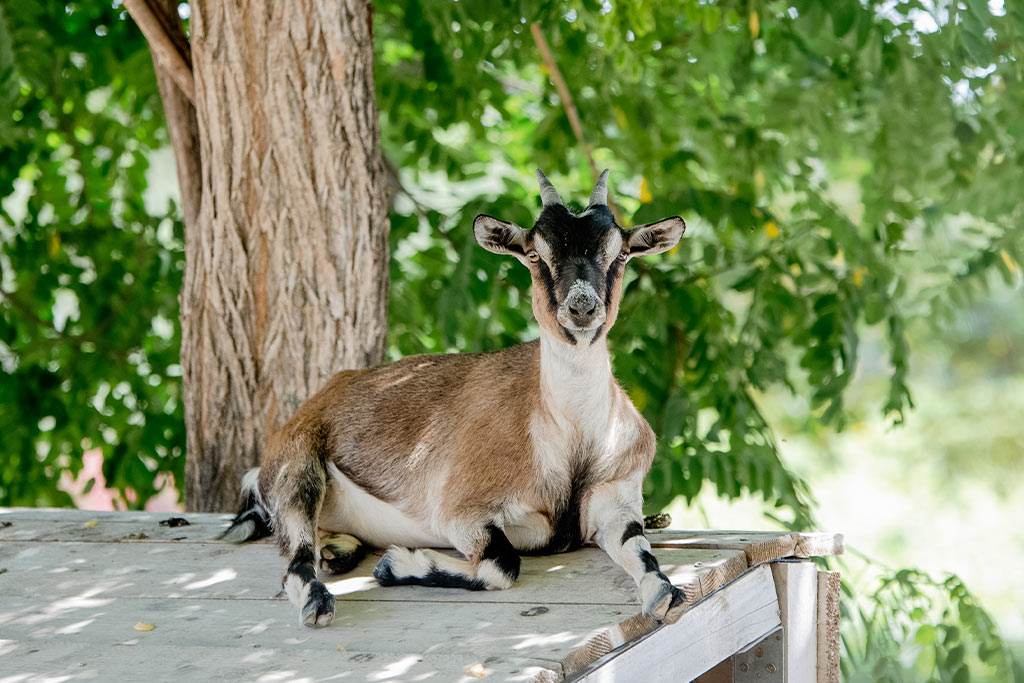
{"x": 576, "y": 381}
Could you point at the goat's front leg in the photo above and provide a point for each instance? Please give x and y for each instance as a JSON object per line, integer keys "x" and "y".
{"x": 614, "y": 520}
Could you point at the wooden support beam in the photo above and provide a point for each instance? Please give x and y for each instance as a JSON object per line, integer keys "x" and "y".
{"x": 796, "y": 584}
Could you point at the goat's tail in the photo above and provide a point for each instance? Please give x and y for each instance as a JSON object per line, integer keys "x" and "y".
{"x": 252, "y": 520}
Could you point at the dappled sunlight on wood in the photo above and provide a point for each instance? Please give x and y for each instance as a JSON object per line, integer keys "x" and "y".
{"x": 217, "y": 610}
{"x": 219, "y": 576}
{"x": 351, "y": 585}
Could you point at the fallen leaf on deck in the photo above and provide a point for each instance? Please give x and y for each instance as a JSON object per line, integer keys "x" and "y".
{"x": 143, "y": 626}
{"x": 175, "y": 522}
{"x": 92, "y": 522}
{"x": 477, "y": 671}
{"x": 341, "y": 648}
{"x": 4, "y": 525}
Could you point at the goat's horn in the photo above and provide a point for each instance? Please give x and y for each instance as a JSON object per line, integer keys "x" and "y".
{"x": 548, "y": 193}
{"x": 600, "y": 193}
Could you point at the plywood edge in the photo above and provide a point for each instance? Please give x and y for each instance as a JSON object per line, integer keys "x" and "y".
{"x": 820, "y": 544}
{"x": 828, "y": 627}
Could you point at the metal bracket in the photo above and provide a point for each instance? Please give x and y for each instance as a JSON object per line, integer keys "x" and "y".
{"x": 763, "y": 661}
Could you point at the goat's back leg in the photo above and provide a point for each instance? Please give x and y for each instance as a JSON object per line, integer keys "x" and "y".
{"x": 492, "y": 564}
{"x": 340, "y": 553}
{"x": 299, "y": 494}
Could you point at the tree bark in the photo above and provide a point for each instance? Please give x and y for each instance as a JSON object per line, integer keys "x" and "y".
{"x": 286, "y": 274}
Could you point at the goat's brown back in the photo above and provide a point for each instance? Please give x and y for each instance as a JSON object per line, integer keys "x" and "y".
{"x": 390, "y": 427}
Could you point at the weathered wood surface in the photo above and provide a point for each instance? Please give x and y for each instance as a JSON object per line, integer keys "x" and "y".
{"x": 759, "y": 546}
{"x": 74, "y": 583}
{"x": 717, "y": 627}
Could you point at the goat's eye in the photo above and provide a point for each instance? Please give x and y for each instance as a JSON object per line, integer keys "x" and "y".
{"x": 623, "y": 255}
{"x": 533, "y": 256}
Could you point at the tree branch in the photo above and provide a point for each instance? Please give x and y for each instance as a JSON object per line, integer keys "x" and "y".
{"x": 570, "y": 107}
{"x": 179, "y": 108}
{"x": 166, "y": 53}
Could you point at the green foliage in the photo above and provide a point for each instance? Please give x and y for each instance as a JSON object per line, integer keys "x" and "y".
{"x": 89, "y": 277}
{"x": 915, "y": 627}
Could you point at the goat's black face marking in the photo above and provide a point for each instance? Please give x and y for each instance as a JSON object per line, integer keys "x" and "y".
{"x": 579, "y": 268}
{"x": 576, "y": 258}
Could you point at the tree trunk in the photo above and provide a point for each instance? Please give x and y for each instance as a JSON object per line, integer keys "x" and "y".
{"x": 286, "y": 274}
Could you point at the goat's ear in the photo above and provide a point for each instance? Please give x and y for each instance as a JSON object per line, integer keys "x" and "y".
{"x": 655, "y": 238}
{"x": 498, "y": 236}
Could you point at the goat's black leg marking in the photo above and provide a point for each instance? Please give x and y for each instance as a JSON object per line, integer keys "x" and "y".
{"x": 614, "y": 514}
{"x": 660, "y": 598}
{"x": 497, "y": 568}
{"x": 302, "y": 586}
{"x": 300, "y": 497}
{"x": 632, "y": 529}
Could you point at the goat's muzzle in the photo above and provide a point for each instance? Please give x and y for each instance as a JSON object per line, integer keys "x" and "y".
{"x": 582, "y": 309}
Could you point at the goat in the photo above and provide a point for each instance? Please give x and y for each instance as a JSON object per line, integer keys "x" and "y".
{"x": 533, "y": 449}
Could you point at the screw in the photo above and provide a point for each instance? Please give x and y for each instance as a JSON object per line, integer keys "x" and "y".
{"x": 743, "y": 667}
{"x": 771, "y": 668}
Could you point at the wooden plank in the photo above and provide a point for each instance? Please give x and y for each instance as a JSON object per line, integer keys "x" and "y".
{"x": 796, "y": 584}
{"x": 828, "y": 627}
{"x": 729, "y": 619}
{"x": 52, "y": 524}
{"x": 168, "y": 662}
{"x": 221, "y": 570}
{"x": 500, "y": 637}
{"x": 759, "y": 546}
{"x": 820, "y": 544}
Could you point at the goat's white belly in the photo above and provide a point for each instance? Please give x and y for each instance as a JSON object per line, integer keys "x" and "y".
{"x": 349, "y": 509}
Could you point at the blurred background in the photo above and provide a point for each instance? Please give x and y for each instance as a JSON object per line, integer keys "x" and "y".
{"x": 836, "y": 344}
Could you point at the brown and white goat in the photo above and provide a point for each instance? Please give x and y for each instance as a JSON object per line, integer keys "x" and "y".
{"x": 529, "y": 450}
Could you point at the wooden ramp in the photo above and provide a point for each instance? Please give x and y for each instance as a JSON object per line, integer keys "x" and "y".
{"x": 79, "y": 591}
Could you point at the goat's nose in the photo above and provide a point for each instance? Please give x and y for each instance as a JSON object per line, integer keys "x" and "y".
{"x": 576, "y": 311}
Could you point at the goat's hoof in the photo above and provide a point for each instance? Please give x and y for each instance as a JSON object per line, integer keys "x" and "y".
{"x": 319, "y": 608}
{"x": 667, "y": 604}
{"x": 393, "y": 559}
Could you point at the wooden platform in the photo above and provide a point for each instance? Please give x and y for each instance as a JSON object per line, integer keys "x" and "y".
{"x": 79, "y": 591}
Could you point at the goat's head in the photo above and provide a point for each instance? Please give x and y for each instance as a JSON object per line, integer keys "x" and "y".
{"x": 576, "y": 259}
